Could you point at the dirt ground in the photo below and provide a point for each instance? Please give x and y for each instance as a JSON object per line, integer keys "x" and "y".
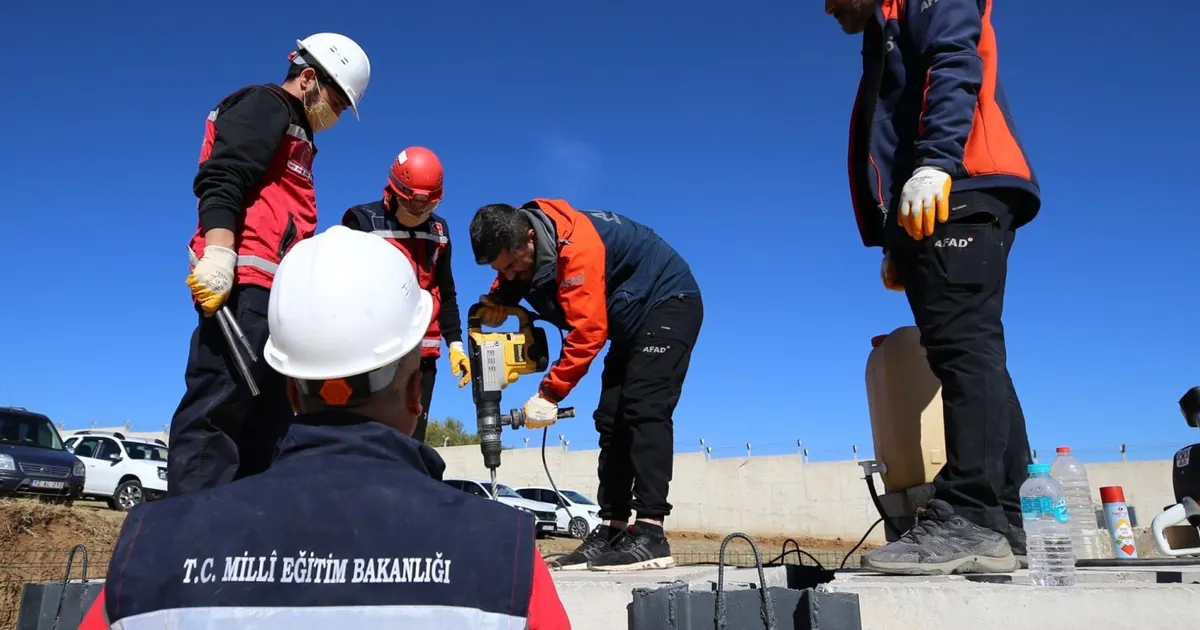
{"x": 36, "y": 538}
{"x": 689, "y": 547}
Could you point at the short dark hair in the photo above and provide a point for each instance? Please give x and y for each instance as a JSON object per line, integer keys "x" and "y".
{"x": 497, "y": 227}
{"x": 293, "y": 71}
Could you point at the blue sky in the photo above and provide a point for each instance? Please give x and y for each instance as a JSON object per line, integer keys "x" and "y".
{"x": 721, "y": 126}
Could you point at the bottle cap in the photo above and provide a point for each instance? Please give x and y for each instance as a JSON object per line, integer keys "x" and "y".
{"x": 1039, "y": 469}
{"x": 1112, "y": 494}
{"x": 1063, "y": 450}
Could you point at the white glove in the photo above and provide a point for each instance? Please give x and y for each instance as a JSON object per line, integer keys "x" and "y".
{"x": 924, "y": 199}
{"x": 540, "y": 413}
{"x": 211, "y": 279}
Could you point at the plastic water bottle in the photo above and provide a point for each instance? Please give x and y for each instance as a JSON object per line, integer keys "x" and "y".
{"x": 1072, "y": 476}
{"x": 1047, "y": 529}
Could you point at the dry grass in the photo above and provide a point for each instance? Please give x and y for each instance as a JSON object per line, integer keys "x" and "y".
{"x": 35, "y": 539}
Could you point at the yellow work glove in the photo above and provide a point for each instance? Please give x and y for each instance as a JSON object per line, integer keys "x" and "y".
{"x": 211, "y": 279}
{"x": 539, "y": 412}
{"x": 491, "y": 313}
{"x": 460, "y": 365}
{"x": 924, "y": 200}
{"x": 887, "y": 272}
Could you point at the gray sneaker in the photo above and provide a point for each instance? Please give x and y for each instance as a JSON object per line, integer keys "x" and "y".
{"x": 942, "y": 543}
{"x": 1016, "y": 540}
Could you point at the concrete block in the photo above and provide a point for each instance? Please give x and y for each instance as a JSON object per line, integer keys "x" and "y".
{"x": 1160, "y": 595}
{"x": 1101, "y": 599}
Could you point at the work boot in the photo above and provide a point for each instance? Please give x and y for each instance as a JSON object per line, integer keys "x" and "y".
{"x": 1016, "y": 541}
{"x": 644, "y": 546}
{"x": 596, "y": 543}
{"x": 942, "y": 543}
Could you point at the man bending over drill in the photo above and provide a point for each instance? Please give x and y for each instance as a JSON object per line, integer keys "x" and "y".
{"x": 602, "y": 276}
{"x": 351, "y": 527}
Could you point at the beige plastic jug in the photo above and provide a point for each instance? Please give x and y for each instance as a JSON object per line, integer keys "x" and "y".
{"x": 905, "y": 403}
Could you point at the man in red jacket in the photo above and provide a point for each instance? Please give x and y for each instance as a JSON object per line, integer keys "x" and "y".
{"x": 255, "y": 200}
{"x": 405, "y": 218}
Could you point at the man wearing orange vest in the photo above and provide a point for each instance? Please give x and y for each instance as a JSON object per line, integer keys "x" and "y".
{"x": 255, "y": 201}
{"x": 405, "y": 218}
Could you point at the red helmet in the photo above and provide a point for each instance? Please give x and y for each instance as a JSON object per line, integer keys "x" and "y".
{"x": 416, "y": 180}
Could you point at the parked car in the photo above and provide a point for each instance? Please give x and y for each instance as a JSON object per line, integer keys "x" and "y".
{"x": 33, "y": 460}
{"x": 543, "y": 512}
{"x": 576, "y": 515}
{"x": 122, "y": 471}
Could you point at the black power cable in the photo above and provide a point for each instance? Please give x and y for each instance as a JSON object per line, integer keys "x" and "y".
{"x": 558, "y": 498}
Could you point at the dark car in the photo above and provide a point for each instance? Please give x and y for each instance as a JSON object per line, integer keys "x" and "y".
{"x": 33, "y": 460}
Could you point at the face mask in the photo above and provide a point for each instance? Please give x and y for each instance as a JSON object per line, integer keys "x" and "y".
{"x": 407, "y": 219}
{"x": 320, "y": 115}
{"x": 411, "y": 219}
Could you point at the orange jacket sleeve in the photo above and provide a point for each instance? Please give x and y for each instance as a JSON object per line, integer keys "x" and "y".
{"x": 582, "y": 294}
{"x": 546, "y": 611}
{"x": 96, "y": 619}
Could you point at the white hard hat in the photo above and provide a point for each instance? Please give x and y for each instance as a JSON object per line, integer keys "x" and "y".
{"x": 344, "y": 303}
{"x": 343, "y": 60}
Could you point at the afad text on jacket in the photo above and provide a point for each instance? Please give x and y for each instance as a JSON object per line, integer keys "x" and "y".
{"x": 930, "y": 95}
{"x": 597, "y": 275}
{"x": 424, "y": 245}
{"x": 282, "y": 210}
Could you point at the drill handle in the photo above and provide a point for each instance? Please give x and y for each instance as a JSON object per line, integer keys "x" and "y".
{"x": 566, "y": 412}
{"x": 524, "y": 317}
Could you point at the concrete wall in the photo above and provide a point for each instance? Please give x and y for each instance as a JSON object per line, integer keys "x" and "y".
{"x": 818, "y": 499}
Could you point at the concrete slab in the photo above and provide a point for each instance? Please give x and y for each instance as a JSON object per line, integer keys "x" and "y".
{"x": 1103, "y": 598}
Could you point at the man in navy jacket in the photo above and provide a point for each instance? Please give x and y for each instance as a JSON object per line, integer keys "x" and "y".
{"x": 939, "y": 180}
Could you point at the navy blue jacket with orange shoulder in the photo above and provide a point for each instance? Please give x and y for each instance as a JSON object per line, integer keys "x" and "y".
{"x": 930, "y": 95}
{"x": 597, "y": 274}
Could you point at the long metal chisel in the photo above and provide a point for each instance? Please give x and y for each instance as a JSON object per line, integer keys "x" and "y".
{"x": 233, "y": 335}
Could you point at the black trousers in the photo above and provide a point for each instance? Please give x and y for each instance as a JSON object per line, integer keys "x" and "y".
{"x": 955, "y": 281}
{"x": 428, "y": 376}
{"x": 219, "y": 431}
{"x": 639, "y": 390}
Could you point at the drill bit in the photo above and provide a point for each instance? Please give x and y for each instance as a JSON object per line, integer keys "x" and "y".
{"x": 494, "y": 496}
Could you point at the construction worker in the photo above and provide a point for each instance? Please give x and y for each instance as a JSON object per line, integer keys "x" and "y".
{"x": 405, "y": 218}
{"x": 255, "y": 201}
{"x": 602, "y": 276}
{"x": 351, "y": 527}
{"x": 940, "y": 182}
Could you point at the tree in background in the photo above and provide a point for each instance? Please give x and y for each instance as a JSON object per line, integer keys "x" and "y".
{"x": 448, "y": 432}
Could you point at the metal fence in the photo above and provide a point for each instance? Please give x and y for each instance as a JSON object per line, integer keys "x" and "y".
{"x": 19, "y": 567}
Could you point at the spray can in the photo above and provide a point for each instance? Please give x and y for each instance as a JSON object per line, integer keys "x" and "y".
{"x": 1116, "y": 516}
